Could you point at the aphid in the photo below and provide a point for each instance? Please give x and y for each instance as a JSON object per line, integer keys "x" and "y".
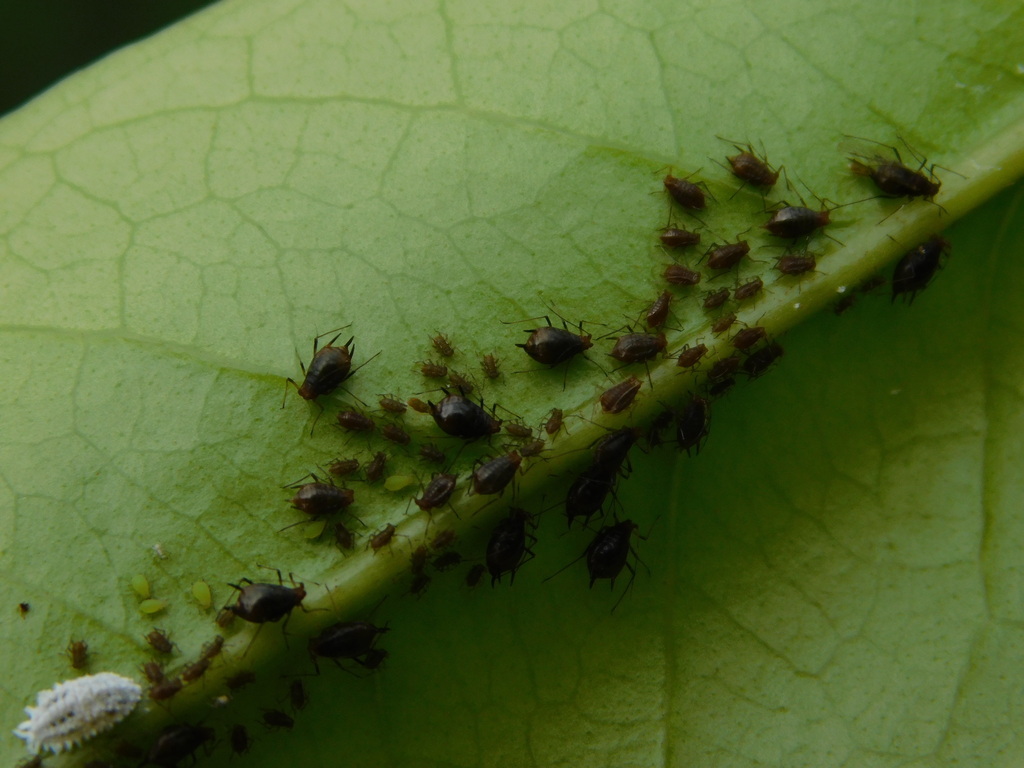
{"x": 552, "y": 346}
{"x": 748, "y": 290}
{"x": 443, "y": 345}
{"x": 297, "y": 694}
{"x": 392, "y": 404}
{"x": 396, "y": 483}
{"x": 343, "y": 536}
{"x": 532, "y": 448}
{"x": 23, "y": 609}
{"x": 240, "y": 679}
{"x": 518, "y": 430}
{"x": 724, "y": 367}
{"x": 444, "y": 539}
{"x": 418, "y": 559}
{"x": 611, "y": 451}
{"x": 153, "y": 671}
{"x": 159, "y": 641}
{"x": 76, "y": 710}
{"x": 202, "y": 594}
{"x": 318, "y": 499}
{"x": 375, "y": 469}
{"x": 459, "y": 416}
{"x": 507, "y": 549}
{"x": 140, "y": 586}
{"x": 554, "y": 421}
{"x": 844, "y": 303}
{"x": 78, "y": 653}
{"x": 793, "y": 221}
{"x": 723, "y": 324}
{"x": 748, "y": 337}
{"x": 327, "y": 370}
{"x": 621, "y": 396}
{"x": 894, "y": 178}
{"x": 728, "y": 256}
{"x": 373, "y": 658}
{"x": 430, "y": 452}
{"x": 419, "y": 585}
{"x": 460, "y": 382}
{"x": 165, "y": 689}
{"x": 447, "y": 561}
{"x": 489, "y": 364}
{"x": 195, "y": 670}
{"x": 395, "y": 434}
{"x": 796, "y": 264}
{"x": 677, "y": 274}
{"x": 586, "y": 495}
{"x": 275, "y": 718}
{"x": 175, "y": 743}
{"x": 212, "y": 649}
{"x": 382, "y": 538}
{"x": 692, "y": 424}
{"x": 760, "y": 361}
{"x": 607, "y": 553}
{"x": 715, "y": 299}
{"x": 474, "y": 575}
{"x": 343, "y": 467}
{"x": 259, "y": 603}
{"x": 751, "y": 169}
{"x": 344, "y": 640}
{"x": 638, "y": 347}
{"x": 418, "y": 405}
{"x": 224, "y": 619}
{"x": 239, "y": 739}
{"x": 657, "y": 313}
{"x": 658, "y": 424}
{"x": 720, "y": 387}
{"x": 491, "y": 477}
{"x": 673, "y": 237}
{"x": 353, "y": 421}
{"x": 432, "y": 370}
{"x": 152, "y": 606}
{"x": 690, "y": 356}
{"x": 918, "y": 266}
{"x": 437, "y": 492}
{"x": 685, "y": 193}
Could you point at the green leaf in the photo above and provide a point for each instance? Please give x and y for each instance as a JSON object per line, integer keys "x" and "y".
{"x": 834, "y": 580}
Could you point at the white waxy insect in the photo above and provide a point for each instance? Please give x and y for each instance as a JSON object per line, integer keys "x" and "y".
{"x": 76, "y": 710}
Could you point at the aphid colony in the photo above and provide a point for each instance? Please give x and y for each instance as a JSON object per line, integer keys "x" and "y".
{"x": 508, "y": 447}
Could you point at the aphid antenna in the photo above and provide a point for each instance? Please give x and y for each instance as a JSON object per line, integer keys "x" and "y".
{"x": 565, "y": 567}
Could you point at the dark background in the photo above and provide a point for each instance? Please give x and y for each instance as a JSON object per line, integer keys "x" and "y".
{"x": 41, "y": 41}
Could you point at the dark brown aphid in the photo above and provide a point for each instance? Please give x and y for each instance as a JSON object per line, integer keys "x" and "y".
{"x": 166, "y": 689}
{"x": 432, "y": 370}
{"x": 685, "y": 193}
{"x": 657, "y": 313}
{"x": 748, "y": 337}
{"x": 553, "y": 346}
{"x": 395, "y": 434}
{"x": 153, "y": 671}
{"x": 638, "y": 347}
{"x": 239, "y": 739}
{"x": 723, "y": 324}
{"x": 462, "y": 383}
{"x": 845, "y": 302}
{"x": 260, "y": 603}
{"x": 419, "y": 585}
{"x": 758, "y": 362}
{"x": 918, "y": 266}
{"x": 382, "y": 538}
{"x": 212, "y": 649}
{"x": 375, "y": 469}
{"x": 392, "y": 404}
{"x": 344, "y": 640}
{"x": 491, "y": 477}
{"x": 78, "y": 653}
{"x": 724, "y": 367}
{"x": 444, "y": 539}
{"x": 692, "y": 424}
{"x": 353, "y": 421}
{"x": 518, "y": 430}
{"x": 459, "y": 416}
{"x": 275, "y": 718}
{"x": 793, "y": 221}
{"x": 751, "y": 169}
{"x": 317, "y": 499}
{"x": 607, "y": 553}
{"x": 194, "y": 671}
{"x": 748, "y": 290}
{"x": 612, "y": 450}
{"x": 587, "y": 494}
{"x": 297, "y": 694}
{"x": 343, "y": 467}
{"x": 507, "y": 549}
{"x": 159, "y": 641}
{"x": 23, "y": 609}
{"x": 343, "y": 536}
{"x": 690, "y": 356}
{"x": 489, "y": 364}
{"x": 430, "y": 452}
{"x": 475, "y": 574}
{"x": 658, "y": 424}
{"x": 327, "y": 370}
{"x": 673, "y": 237}
{"x": 418, "y": 559}
{"x": 677, "y": 274}
{"x": 728, "y": 256}
{"x": 621, "y": 396}
{"x": 796, "y": 264}
{"x": 443, "y": 345}
{"x": 437, "y": 492}
{"x": 715, "y": 299}
{"x": 532, "y": 448}
{"x": 175, "y": 743}
{"x": 447, "y": 561}
{"x": 554, "y": 421}
{"x": 240, "y": 679}
{"x": 894, "y": 178}
{"x": 418, "y": 405}
{"x": 720, "y": 387}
